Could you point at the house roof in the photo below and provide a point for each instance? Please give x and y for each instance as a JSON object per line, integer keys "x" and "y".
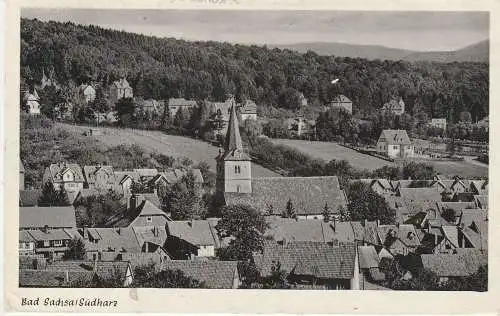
{"x": 195, "y": 232}
{"x": 122, "y": 239}
{"x": 419, "y": 194}
{"x": 233, "y": 146}
{"x": 468, "y": 216}
{"x": 479, "y": 186}
{"x": 50, "y": 278}
{"x": 368, "y": 257}
{"x": 451, "y": 233}
{"x": 144, "y": 172}
{"x": 395, "y": 137}
{"x": 464, "y": 263}
{"x": 286, "y": 229}
{"x": 51, "y": 234}
{"x": 405, "y": 233}
{"x": 152, "y": 234}
{"x": 122, "y": 83}
{"x": 90, "y": 172}
{"x": 319, "y": 259}
{"x": 104, "y": 269}
{"x": 127, "y": 218}
{"x": 52, "y": 216}
{"x": 481, "y": 201}
{"x": 29, "y": 197}
{"x": 341, "y": 99}
{"x": 181, "y": 102}
{"x": 308, "y": 194}
{"x": 393, "y": 104}
{"x": 215, "y": 274}
{"x": 58, "y": 170}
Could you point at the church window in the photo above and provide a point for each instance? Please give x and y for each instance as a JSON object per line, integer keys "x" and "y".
{"x": 237, "y": 169}
{"x": 238, "y": 188}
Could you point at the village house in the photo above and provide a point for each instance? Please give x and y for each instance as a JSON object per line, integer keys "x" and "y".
{"x": 49, "y": 81}
{"x": 151, "y": 106}
{"x": 398, "y": 239}
{"x": 333, "y": 265}
{"x": 395, "y": 144}
{"x": 176, "y": 104}
{"x": 369, "y": 267}
{"x": 300, "y": 127}
{"x": 52, "y": 217}
{"x": 88, "y": 92}
{"x": 141, "y": 211}
{"x": 191, "y": 239}
{"x": 342, "y": 102}
{"x": 51, "y": 243}
{"x": 99, "y": 177}
{"x": 214, "y": 274}
{"x": 248, "y": 111}
{"x": 394, "y": 106}
{"x": 65, "y": 175}
{"x": 380, "y": 186}
{"x": 438, "y": 123}
{"x": 32, "y": 102}
{"x": 479, "y": 187}
{"x": 220, "y": 113}
{"x": 120, "y": 89}
{"x": 235, "y": 184}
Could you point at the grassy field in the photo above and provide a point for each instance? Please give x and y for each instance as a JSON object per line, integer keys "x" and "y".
{"x": 156, "y": 141}
{"x": 328, "y": 151}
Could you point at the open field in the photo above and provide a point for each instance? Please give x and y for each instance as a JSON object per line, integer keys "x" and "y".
{"x": 170, "y": 145}
{"x": 328, "y": 151}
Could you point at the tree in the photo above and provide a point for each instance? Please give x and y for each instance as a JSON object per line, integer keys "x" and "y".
{"x": 76, "y": 249}
{"x": 146, "y": 276}
{"x": 326, "y": 213}
{"x": 278, "y": 278}
{"x": 270, "y": 210}
{"x": 366, "y": 204}
{"x": 50, "y": 196}
{"x": 345, "y": 216}
{"x": 247, "y": 226}
{"x": 62, "y": 198}
{"x": 289, "y": 211}
{"x": 418, "y": 171}
{"x": 125, "y": 110}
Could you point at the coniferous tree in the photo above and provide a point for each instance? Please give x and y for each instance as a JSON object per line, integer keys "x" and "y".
{"x": 326, "y": 213}
{"x": 49, "y": 195}
{"x": 289, "y": 211}
{"x": 62, "y": 197}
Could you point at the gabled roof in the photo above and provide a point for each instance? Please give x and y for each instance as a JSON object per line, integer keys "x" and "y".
{"x": 368, "y": 257}
{"x": 144, "y": 172}
{"x": 451, "y": 234}
{"x": 195, "y": 232}
{"x": 91, "y": 171}
{"x": 103, "y": 269}
{"x": 479, "y": 186}
{"x": 152, "y": 234}
{"x": 405, "y": 233}
{"x": 341, "y": 99}
{"x": 122, "y": 239}
{"x": 52, "y": 216}
{"x": 308, "y": 194}
{"x": 215, "y": 274}
{"x": 464, "y": 263}
{"x": 59, "y": 169}
{"x": 51, "y": 278}
{"x": 319, "y": 259}
{"x": 147, "y": 207}
{"x": 481, "y": 201}
{"x": 395, "y": 137}
{"x": 52, "y": 234}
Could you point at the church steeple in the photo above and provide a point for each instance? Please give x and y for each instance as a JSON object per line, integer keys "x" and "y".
{"x": 234, "y": 172}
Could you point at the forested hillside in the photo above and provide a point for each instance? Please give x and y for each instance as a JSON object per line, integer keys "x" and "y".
{"x": 161, "y": 68}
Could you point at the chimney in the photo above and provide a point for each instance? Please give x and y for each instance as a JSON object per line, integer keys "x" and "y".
{"x": 85, "y": 233}
{"x": 378, "y": 222}
{"x": 45, "y": 229}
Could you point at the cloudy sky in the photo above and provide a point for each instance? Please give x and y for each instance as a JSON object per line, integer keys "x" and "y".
{"x": 422, "y": 31}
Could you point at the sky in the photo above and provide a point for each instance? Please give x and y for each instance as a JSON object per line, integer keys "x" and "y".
{"x": 420, "y": 31}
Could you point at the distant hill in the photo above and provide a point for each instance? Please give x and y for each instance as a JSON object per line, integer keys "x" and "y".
{"x": 478, "y": 52}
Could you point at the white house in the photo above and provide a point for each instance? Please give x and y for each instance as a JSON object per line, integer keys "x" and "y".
{"x": 395, "y": 144}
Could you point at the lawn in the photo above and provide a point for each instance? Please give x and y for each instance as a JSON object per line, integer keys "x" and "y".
{"x": 328, "y": 151}
{"x": 156, "y": 141}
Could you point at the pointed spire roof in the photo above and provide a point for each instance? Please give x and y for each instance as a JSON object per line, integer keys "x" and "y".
{"x": 233, "y": 137}
{"x": 233, "y": 147}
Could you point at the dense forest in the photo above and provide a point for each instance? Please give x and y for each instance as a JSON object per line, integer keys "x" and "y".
{"x": 161, "y": 68}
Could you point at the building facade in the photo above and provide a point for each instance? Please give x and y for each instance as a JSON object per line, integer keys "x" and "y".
{"x": 120, "y": 89}
{"x": 395, "y": 144}
{"x": 341, "y": 101}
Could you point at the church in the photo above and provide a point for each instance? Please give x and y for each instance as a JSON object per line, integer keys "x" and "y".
{"x": 270, "y": 195}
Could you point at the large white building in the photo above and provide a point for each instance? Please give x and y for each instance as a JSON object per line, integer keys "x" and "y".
{"x": 395, "y": 144}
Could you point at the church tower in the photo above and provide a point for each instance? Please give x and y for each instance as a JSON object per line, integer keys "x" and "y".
{"x": 234, "y": 172}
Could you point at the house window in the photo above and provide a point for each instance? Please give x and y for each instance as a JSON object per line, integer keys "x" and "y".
{"x": 46, "y": 243}
{"x": 58, "y": 243}
{"x": 149, "y": 219}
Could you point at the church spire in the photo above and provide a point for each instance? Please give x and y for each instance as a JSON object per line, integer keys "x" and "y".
{"x": 233, "y": 137}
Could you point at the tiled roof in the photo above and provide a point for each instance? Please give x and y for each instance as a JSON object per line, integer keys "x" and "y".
{"x": 181, "y": 102}
{"x": 196, "y": 232}
{"x": 456, "y": 206}
{"x": 478, "y": 236}
{"x": 57, "y": 171}
{"x": 464, "y": 263}
{"x": 143, "y": 172}
{"x": 49, "y": 278}
{"x": 51, "y": 234}
{"x": 451, "y": 233}
{"x": 29, "y": 197}
{"x": 406, "y": 233}
{"x": 122, "y": 239}
{"x": 104, "y": 269}
{"x": 370, "y": 233}
{"x": 368, "y": 257}
{"x": 142, "y": 258}
{"x": 25, "y": 236}
{"x": 249, "y": 107}
{"x": 319, "y": 259}
{"x": 52, "y": 216}
{"x": 147, "y": 206}
{"x": 420, "y": 195}
{"x": 308, "y": 194}
{"x": 481, "y": 201}
{"x": 467, "y": 216}
{"x": 395, "y": 137}
{"x": 215, "y": 274}
{"x": 308, "y": 230}
{"x": 479, "y": 186}
{"x": 156, "y": 235}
